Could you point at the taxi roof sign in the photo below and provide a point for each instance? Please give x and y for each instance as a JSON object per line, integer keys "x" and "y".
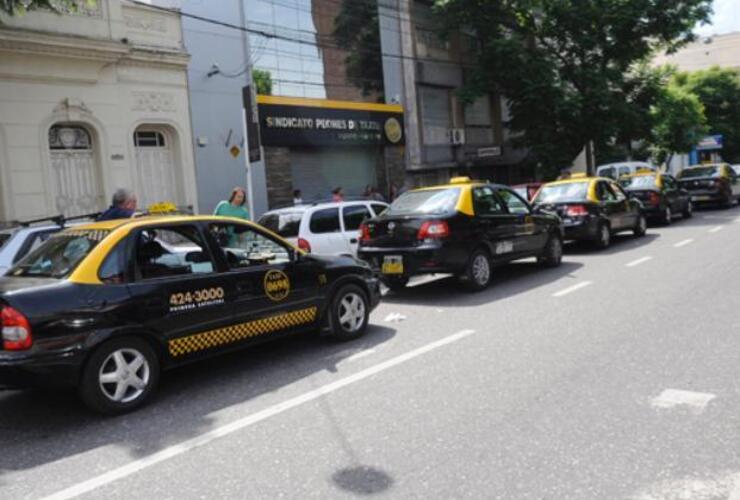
{"x": 162, "y": 207}
{"x": 460, "y": 180}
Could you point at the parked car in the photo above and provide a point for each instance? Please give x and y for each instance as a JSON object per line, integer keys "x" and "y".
{"x": 463, "y": 228}
{"x": 528, "y": 190}
{"x": 660, "y": 194}
{"x": 592, "y": 209}
{"x": 104, "y": 307}
{"x": 323, "y": 228}
{"x": 711, "y": 183}
{"x": 616, "y": 170}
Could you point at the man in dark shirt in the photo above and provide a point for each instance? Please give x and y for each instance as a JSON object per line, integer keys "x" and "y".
{"x": 122, "y": 206}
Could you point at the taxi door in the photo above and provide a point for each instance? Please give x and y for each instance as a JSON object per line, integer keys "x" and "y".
{"x": 612, "y": 209}
{"x": 277, "y": 289}
{"x": 530, "y": 236}
{"x": 494, "y": 224}
{"x": 177, "y": 290}
{"x": 628, "y": 208}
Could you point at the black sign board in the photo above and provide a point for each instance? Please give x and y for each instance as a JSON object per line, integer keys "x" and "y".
{"x": 291, "y": 125}
{"x": 251, "y": 115}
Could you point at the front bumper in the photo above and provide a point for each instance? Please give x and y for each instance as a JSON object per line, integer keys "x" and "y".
{"x": 30, "y": 369}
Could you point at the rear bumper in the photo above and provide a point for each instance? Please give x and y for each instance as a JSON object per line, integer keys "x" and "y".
{"x": 581, "y": 229}
{"x": 416, "y": 261}
{"x": 22, "y": 370}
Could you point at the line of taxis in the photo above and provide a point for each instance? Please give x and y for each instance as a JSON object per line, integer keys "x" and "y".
{"x": 105, "y": 307}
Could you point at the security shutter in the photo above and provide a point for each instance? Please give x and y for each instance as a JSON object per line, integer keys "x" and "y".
{"x": 317, "y": 171}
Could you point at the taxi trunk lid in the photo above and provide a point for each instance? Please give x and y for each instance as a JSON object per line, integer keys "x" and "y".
{"x": 391, "y": 232}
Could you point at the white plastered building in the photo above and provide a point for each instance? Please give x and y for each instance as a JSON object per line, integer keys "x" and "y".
{"x": 91, "y": 101}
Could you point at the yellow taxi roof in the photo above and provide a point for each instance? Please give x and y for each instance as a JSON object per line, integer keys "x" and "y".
{"x": 134, "y": 222}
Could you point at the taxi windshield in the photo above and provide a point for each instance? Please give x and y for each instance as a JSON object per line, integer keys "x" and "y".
{"x": 428, "y": 201}
{"x": 641, "y": 181}
{"x": 700, "y": 172}
{"x": 556, "y": 193}
{"x": 60, "y": 255}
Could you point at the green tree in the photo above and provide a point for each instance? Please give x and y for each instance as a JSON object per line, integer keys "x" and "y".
{"x": 719, "y": 91}
{"x": 262, "y": 81}
{"x": 20, "y": 7}
{"x": 357, "y": 30}
{"x": 567, "y": 66}
{"x": 678, "y": 122}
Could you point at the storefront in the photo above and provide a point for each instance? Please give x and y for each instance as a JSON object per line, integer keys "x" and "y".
{"x": 316, "y": 145}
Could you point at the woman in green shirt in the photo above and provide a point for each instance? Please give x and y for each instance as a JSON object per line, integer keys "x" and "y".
{"x": 234, "y": 206}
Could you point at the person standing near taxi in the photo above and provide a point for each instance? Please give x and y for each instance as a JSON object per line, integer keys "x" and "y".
{"x": 123, "y": 205}
{"x": 234, "y": 206}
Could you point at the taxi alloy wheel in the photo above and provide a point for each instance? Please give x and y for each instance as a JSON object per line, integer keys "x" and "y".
{"x": 689, "y": 210}
{"x": 605, "y": 236}
{"x": 119, "y": 376}
{"x": 641, "y": 227}
{"x": 553, "y": 253}
{"x": 478, "y": 273}
{"x": 667, "y": 216}
{"x": 350, "y": 312}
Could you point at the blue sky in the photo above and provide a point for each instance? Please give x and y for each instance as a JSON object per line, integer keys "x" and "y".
{"x": 726, "y": 18}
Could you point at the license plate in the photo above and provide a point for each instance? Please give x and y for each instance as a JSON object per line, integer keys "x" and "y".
{"x": 392, "y": 264}
{"x": 700, "y": 198}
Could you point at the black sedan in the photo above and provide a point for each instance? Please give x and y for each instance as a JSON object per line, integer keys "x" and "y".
{"x": 711, "y": 184}
{"x": 462, "y": 228}
{"x": 660, "y": 194}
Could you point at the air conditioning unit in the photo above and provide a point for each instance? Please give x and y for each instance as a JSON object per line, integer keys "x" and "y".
{"x": 457, "y": 136}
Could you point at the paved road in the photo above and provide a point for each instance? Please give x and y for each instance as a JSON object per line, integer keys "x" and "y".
{"x": 613, "y": 376}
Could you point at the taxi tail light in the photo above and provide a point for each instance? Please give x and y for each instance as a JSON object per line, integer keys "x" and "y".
{"x": 433, "y": 229}
{"x": 576, "y": 210}
{"x": 364, "y": 232}
{"x": 16, "y": 330}
{"x": 304, "y": 245}
{"x": 653, "y": 198}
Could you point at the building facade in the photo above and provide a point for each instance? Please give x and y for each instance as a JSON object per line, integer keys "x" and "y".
{"x": 91, "y": 101}
{"x": 707, "y": 51}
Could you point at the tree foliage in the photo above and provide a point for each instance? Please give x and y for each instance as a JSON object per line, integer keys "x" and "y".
{"x": 357, "y": 30}
{"x": 569, "y": 67}
{"x": 678, "y": 122}
{"x": 262, "y": 81}
{"x": 719, "y": 92}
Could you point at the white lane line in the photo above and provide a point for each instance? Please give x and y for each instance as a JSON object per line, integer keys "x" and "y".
{"x": 249, "y": 420}
{"x": 639, "y": 261}
{"x": 572, "y": 289}
{"x": 683, "y": 243}
{"x": 716, "y": 229}
{"x": 671, "y": 398}
{"x": 360, "y": 355}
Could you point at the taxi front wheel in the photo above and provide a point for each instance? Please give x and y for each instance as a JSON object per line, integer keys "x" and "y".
{"x": 119, "y": 376}
{"x": 552, "y": 255}
{"x": 350, "y": 310}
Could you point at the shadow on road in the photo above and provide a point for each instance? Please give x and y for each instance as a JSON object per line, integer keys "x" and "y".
{"x": 620, "y": 243}
{"x": 42, "y": 426}
{"x": 509, "y": 280}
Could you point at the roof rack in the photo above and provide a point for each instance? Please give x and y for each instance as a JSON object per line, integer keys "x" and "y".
{"x": 59, "y": 220}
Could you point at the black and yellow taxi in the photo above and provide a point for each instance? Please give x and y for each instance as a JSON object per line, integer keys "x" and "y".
{"x": 661, "y": 196}
{"x": 592, "y": 208}
{"x": 463, "y": 228}
{"x": 106, "y": 306}
{"x": 712, "y": 183}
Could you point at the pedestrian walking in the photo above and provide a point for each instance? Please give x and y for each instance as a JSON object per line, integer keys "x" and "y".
{"x": 376, "y": 195}
{"x": 297, "y": 198}
{"x": 234, "y": 206}
{"x": 123, "y": 205}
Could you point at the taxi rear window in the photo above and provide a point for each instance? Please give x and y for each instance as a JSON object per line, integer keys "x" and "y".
{"x": 285, "y": 224}
{"x": 572, "y": 191}
{"x": 700, "y": 172}
{"x": 60, "y": 255}
{"x": 431, "y": 201}
{"x": 642, "y": 181}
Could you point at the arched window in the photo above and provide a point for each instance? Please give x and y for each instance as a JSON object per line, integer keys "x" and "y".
{"x": 148, "y": 139}
{"x": 69, "y": 137}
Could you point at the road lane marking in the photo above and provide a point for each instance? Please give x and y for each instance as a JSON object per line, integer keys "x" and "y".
{"x": 671, "y": 398}
{"x": 639, "y": 261}
{"x": 572, "y": 289}
{"x": 716, "y": 229}
{"x": 683, "y": 243}
{"x": 244, "y": 422}
{"x": 361, "y": 354}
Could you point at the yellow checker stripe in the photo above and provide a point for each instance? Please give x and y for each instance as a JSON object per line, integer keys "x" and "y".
{"x": 235, "y": 333}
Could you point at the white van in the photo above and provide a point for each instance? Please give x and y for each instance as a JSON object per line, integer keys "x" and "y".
{"x": 618, "y": 169}
{"x": 323, "y": 228}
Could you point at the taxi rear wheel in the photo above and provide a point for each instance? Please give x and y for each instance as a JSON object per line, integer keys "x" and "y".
{"x": 689, "y": 210}
{"x": 477, "y": 275}
{"x": 604, "y": 236}
{"x": 119, "y": 376}
{"x": 552, "y": 255}
{"x": 641, "y": 226}
{"x": 667, "y": 216}
{"x": 350, "y": 311}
